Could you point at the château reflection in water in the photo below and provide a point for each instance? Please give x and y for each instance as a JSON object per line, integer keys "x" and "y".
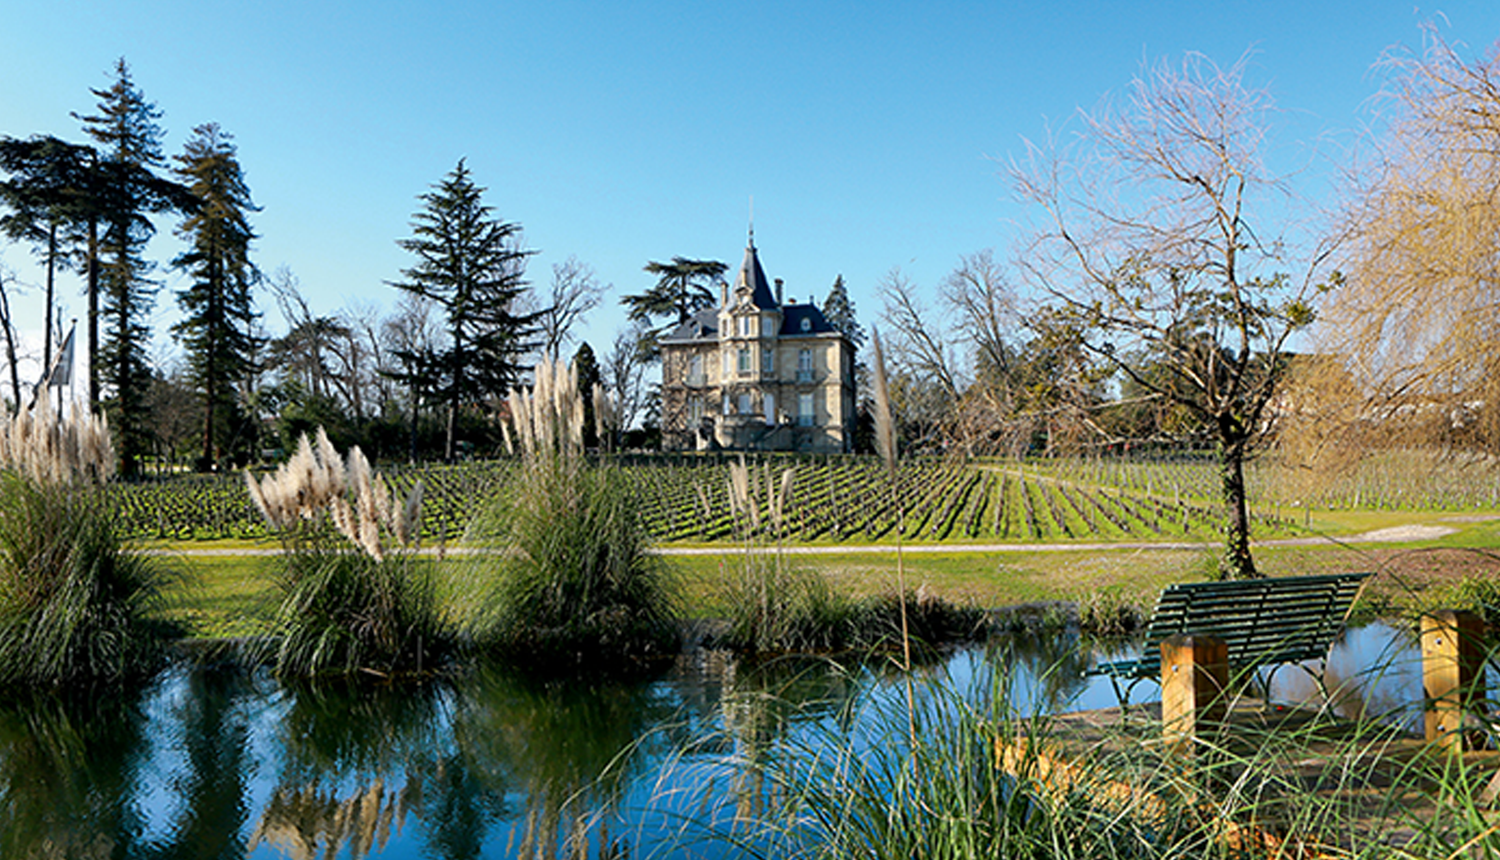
{"x": 217, "y": 761}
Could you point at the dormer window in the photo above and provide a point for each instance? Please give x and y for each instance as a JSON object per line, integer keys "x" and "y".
{"x": 747, "y": 327}
{"x": 806, "y": 325}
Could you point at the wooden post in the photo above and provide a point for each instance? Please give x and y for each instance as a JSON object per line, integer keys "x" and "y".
{"x": 1452, "y": 675}
{"x": 1194, "y": 675}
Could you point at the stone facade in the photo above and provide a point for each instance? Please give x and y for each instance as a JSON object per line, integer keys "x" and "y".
{"x": 754, "y": 374}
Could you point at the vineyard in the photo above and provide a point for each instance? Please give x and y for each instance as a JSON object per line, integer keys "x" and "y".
{"x": 832, "y": 500}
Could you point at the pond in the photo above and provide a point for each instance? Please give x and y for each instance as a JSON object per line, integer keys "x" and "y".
{"x": 215, "y": 761}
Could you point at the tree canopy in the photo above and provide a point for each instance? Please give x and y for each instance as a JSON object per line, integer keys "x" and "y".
{"x": 1415, "y": 324}
{"x": 1154, "y": 247}
{"x": 682, "y": 287}
{"x": 472, "y": 266}
{"x": 218, "y": 305}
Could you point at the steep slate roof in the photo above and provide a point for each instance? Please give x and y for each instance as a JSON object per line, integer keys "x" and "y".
{"x": 791, "y": 323}
{"x": 702, "y": 325}
{"x": 752, "y": 275}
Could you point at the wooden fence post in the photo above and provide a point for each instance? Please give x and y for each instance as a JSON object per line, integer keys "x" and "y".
{"x": 1194, "y": 675}
{"x": 1452, "y": 675}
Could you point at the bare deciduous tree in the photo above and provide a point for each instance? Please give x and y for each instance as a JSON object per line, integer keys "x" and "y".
{"x": 8, "y": 328}
{"x": 572, "y": 293}
{"x": 924, "y": 379}
{"x": 979, "y": 294}
{"x": 1150, "y": 259}
{"x": 625, "y": 366}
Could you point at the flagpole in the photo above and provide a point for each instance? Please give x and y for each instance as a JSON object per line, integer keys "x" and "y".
{"x": 49, "y": 380}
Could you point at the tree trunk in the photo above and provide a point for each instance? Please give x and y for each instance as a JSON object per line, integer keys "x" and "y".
{"x": 10, "y": 349}
{"x": 1237, "y": 562}
{"x": 93, "y": 286}
{"x": 210, "y": 402}
{"x": 452, "y": 427}
{"x": 51, "y": 267}
{"x": 411, "y": 454}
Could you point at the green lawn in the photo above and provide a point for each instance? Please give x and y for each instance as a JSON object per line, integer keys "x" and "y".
{"x": 229, "y": 593}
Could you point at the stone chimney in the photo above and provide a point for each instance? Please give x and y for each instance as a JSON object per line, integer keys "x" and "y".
{"x": 778, "y": 291}
{"x": 723, "y": 293}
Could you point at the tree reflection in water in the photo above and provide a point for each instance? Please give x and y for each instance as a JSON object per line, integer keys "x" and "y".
{"x": 567, "y": 748}
{"x": 69, "y": 775}
{"x": 220, "y": 762}
{"x": 359, "y": 759}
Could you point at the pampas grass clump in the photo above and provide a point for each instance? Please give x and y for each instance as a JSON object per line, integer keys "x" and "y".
{"x": 572, "y": 581}
{"x": 76, "y": 609}
{"x": 349, "y": 602}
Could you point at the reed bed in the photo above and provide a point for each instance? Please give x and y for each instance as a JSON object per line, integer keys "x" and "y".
{"x": 76, "y": 609}
{"x": 982, "y": 778}
{"x": 352, "y": 597}
{"x": 572, "y": 582}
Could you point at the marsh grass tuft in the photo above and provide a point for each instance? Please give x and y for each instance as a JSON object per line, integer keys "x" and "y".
{"x": 773, "y": 606}
{"x": 570, "y": 581}
{"x": 346, "y": 602}
{"x": 76, "y": 608}
{"x": 344, "y": 612}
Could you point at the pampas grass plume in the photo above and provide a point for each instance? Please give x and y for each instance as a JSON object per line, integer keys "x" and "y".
{"x": 885, "y": 427}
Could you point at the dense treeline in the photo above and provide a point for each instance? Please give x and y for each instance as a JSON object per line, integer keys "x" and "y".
{"x": 426, "y": 379}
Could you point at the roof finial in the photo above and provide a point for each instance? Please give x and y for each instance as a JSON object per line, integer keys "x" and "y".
{"x": 752, "y": 220}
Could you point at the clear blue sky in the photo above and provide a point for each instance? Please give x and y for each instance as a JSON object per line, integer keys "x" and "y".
{"x": 869, "y": 134}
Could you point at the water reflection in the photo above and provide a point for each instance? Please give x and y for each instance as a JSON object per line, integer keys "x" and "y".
{"x": 69, "y": 781}
{"x": 216, "y": 762}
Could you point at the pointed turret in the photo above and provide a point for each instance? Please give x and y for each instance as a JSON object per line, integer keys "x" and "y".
{"x": 752, "y": 279}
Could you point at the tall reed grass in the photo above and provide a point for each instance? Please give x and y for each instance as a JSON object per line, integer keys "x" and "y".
{"x": 983, "y": 776}
{"x": 570, "y": 581}
{"x": 349, "y": 600}
{"x": 76, "y": 608}
{"x": 775, "y": 605}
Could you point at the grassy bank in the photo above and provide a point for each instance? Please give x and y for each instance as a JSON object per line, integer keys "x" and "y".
{"x": 226, "y": 592}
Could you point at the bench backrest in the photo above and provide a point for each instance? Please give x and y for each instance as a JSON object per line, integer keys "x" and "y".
{"x": 1263, "y": 621}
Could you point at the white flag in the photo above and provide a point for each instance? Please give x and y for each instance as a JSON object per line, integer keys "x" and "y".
{"x": 62, "y": 369}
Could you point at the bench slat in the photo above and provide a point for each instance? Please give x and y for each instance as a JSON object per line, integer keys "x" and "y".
{"x": 1263, "y": 621}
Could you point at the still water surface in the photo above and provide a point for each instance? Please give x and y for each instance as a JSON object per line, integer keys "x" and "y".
{"x": 217, "y": 762}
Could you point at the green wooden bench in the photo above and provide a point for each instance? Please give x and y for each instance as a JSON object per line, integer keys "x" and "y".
{"x": 1264, "y": 622}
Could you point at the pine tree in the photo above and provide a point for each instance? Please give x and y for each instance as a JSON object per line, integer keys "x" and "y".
{"x": 838, "y": 309}
{"x": 50, "y": 195}
{"x": 218, "y": 306}
{"x": 129, "y": 139}
{"x": 473, "y": 267}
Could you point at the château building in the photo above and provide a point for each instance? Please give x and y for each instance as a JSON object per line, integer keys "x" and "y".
{"x": 757, "y": 373}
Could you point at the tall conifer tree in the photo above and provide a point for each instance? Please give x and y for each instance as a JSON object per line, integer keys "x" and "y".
{"x": 471, "y": 264}
{"x": 838, "y": 309}
{"x": 218, "y": 304}
{"x": 129, "y": 140}
{"x": 51, "y": 197}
